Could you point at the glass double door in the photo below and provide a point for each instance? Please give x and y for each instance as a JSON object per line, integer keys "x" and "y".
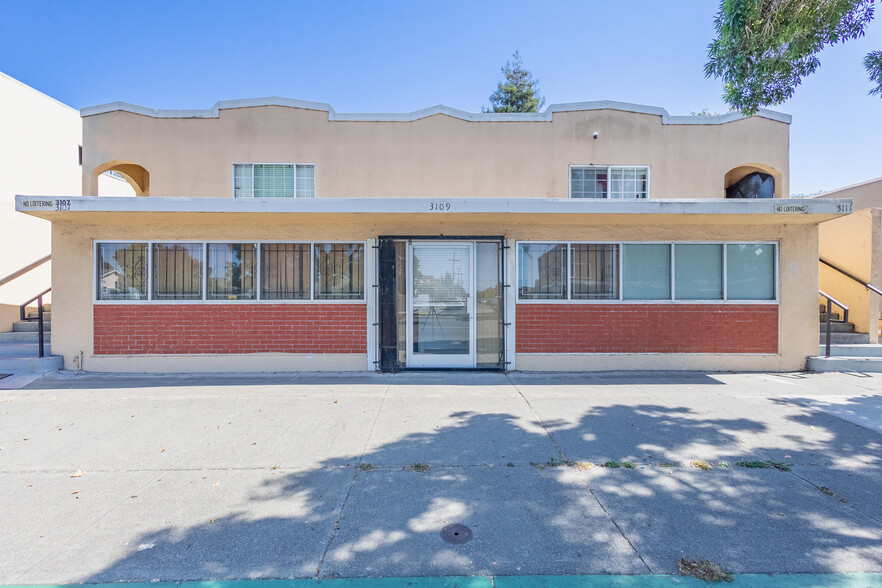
{"x": 441, "y": 304}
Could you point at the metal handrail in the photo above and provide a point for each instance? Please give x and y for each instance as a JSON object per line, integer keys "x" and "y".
{"x": 22, "y": 309}
{"x": 863, "y": 283}
{"x": 830, "y": 302}
{"x": 40, "y": 324}
{"x": 867, "y": 285}
{"x": 24, "y": 270}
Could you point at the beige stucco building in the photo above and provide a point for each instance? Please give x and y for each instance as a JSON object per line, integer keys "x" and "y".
{"x": 854, "y": 245}
{"x": 277, "y": 234}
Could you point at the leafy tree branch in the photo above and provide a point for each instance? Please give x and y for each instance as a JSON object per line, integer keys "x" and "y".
{"x": 764, "y": 48}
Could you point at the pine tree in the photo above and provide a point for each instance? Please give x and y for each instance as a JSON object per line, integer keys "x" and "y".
{"x": 518, "y": 92}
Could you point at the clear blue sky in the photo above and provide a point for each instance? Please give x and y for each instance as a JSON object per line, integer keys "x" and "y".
{"x": 385, "y": 56}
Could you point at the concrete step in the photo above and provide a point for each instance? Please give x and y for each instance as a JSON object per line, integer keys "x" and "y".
{"x": 30, "y": 326}
{"x": 844, "y": 338}
{"x": 30, "y": 365}
{"x": 34, "y": 315}
{"x": 833, "y": 317}
{"x": 22, "y": 350}
{"x": 854, "y": 350}
{"x": 845, "y": 364}
{"x": 23, "y": 337}
{"x": 838, "y": 327}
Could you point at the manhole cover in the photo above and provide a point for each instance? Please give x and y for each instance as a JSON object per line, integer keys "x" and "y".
{"x": 456, "y": 533}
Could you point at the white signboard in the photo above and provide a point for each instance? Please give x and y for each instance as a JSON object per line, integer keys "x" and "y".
{"x": 791, "y": 208}
{"x": 44, "y": 204}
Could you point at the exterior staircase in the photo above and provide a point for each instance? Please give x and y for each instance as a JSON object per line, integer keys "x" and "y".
{"x": 19, "y": 348}
{"x": 849, "y": 351}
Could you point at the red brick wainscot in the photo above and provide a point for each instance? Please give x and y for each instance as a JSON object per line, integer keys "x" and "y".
{"x": 647, "y": 328}
{"x": 142, "y": 329}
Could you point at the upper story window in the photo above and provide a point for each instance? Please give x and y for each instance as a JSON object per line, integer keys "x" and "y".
{"x": 273, "y": 180}
{"x": 588, "y": 181}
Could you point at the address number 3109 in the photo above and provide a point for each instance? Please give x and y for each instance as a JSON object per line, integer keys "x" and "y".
{"x": 439, "y": 206}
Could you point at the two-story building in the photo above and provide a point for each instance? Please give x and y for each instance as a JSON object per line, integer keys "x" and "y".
{"x": 276, "y": 235}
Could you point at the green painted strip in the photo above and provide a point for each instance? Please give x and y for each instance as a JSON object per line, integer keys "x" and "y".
{"x": 808, "y": 580}
{"x": 637, "y": 581}
{"x": 598, "y": 581}
{"x": 118, "y": 585}
{"x": 430, "y": 582}
{"x": 436, "y": 582}
{"x": 250, "y": 584}
{"x": 659, "y": 581}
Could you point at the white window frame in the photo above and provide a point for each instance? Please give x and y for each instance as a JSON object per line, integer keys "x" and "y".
{"x": 95, "y": 290}
{"x": 672, "y": 300}
{"x": 608, "y": 169}
{"x": 258, "y": 272}
{"x": 253, "y": 163}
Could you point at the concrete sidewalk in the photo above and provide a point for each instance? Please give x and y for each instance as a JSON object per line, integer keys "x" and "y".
{"x": 109, "y": 477}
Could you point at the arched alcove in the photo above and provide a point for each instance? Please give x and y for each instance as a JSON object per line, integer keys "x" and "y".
{"x": 134, "y": 174}
{"x": 738, "y": 173}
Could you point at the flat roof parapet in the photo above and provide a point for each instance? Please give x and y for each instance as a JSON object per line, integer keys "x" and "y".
{"x": 545, "y": 116}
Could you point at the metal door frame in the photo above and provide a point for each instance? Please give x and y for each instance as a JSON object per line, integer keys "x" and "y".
{"x": 384, "y": 321}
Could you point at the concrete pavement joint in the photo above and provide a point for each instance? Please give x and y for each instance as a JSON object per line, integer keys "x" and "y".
{"x": 760, "y": 453}
{"x": 848, "y": 505}
{"x": 581, "y": 479}
{"x": 686, "y": 416}
{"x": 597, "y": 464}
{"x": 806, "y": 480}
{"x": 538, "y": 418}
{"x": 376, "y": 418}
{"x": 367, "y": 441}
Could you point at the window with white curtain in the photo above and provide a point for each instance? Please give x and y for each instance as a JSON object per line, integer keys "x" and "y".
{"x": 273, "y": 180}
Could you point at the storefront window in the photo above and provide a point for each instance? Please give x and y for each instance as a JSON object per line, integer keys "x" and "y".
{"x": 646, "y": 274}
{"x": 594, "y": 271}
{"x": 699, "y": 272}
{"x": 542, "y": 271}
{"x": 122, "y": 271}
{"x": 177, "y": 271}
{"x": 231, "y": 271}
{"x": 750, "y": 271}
{"x": 284, "y": 271}
{"x": 339, "y": 271}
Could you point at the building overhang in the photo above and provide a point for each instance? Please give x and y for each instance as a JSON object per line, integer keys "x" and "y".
{"x": 65, "y": 209}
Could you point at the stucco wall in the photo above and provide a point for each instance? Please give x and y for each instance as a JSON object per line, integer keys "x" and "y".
{"x": 38, "y": 155}
{"x": 436, "y": 156}
{"x": 72, "y": 311}
{"x": 854, "y": 243}
{"x": 865, "y": 195}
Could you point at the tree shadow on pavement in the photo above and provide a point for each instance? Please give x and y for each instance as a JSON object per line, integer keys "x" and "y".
{"x": 525, "y": 489}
